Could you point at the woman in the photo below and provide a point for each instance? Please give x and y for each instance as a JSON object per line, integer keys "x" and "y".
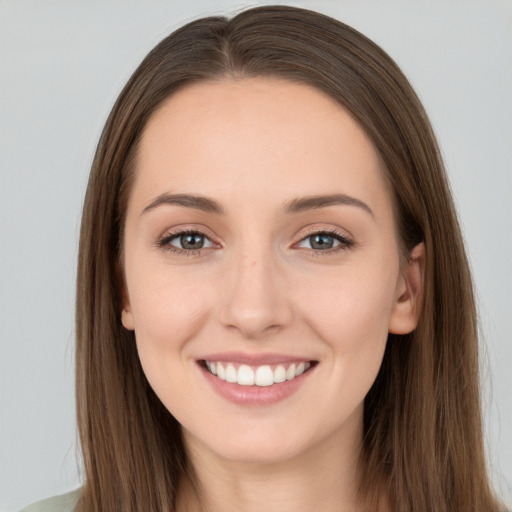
{"x": 274, "y": 307}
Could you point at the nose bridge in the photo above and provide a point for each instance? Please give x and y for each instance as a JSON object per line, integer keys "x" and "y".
{"x": 255, "y": 301}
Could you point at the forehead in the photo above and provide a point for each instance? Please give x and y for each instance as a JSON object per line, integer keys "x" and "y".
{"x": 257, "y": 137}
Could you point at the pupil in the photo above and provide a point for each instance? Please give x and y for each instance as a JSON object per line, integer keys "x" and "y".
{"x": 321, "y": 241}
{"x": 192, "y": 241}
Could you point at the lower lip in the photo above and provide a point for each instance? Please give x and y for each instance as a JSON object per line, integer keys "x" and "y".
{"x": 255, "y": 395}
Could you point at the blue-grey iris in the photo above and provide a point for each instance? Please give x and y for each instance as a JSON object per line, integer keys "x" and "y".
{"x": 321, "y": 241}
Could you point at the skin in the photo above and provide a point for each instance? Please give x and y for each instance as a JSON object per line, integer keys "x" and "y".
{"x": 259, "y": 286}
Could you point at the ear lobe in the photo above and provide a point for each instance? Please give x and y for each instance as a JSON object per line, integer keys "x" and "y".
{"x": 126, "y": 313}
{"x": 127, "y": 318}
{"x": 406, "y": 310}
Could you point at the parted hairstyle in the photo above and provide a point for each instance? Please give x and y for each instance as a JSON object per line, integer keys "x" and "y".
{"x": 422, "y": 439}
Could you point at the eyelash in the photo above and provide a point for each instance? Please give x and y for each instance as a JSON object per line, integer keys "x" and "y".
{"x": 344, "y": 242}
{"x": 164, "y": 243}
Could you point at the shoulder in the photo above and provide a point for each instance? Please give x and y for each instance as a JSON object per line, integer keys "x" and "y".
{"x": 62, "y": 503}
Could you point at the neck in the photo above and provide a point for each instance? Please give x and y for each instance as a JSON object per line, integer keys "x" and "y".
{"x": 323, "y": 477}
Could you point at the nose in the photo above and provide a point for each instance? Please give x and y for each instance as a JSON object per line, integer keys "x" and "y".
{"x": 255, "y": 301}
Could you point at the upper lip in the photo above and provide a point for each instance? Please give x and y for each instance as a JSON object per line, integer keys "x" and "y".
{"x": 254, "y": 359}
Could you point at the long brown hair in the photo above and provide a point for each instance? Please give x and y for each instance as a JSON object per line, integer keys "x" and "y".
{"x": 423, "y": 446}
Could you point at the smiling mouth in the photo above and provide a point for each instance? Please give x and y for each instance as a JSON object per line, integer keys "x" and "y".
{"x": 263, "y": 375}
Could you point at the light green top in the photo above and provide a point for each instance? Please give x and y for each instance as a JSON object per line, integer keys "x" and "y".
{"x": 62, "y": 503}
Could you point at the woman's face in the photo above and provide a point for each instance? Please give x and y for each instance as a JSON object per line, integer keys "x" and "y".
{"x": 260, "y": 245}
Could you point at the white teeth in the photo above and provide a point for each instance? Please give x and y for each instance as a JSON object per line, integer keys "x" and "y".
{"x": 221, "y": 372}
{"x": 264, "y": 376}
{"x": 290, "y": 373}
{"x": 279, "y": 374}
{"x": 245, "y": 376}
{"x": 230, "y": 373}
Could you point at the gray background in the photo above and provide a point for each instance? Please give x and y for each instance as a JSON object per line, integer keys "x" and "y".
{"x": 62, "y": 63}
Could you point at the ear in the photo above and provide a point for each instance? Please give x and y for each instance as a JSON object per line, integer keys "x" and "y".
{"x": 409, "y": 293}
{"x": 127, "y": 317}
{"x": 126, "y": 313}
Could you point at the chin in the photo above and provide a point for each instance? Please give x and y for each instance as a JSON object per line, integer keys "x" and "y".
{"x": 261, "y": 444}
{"x": 261, "y": 454}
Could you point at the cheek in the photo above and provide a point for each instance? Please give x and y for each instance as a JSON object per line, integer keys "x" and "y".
{"x": 351, "y": 315}
{"x": 165, "y": 301}
{"x": 168, "y": 311}
{"x": 356, "y": 300}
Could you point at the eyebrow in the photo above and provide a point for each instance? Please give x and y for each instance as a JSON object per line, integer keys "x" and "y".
{"x": 302, "y": 204}
{"x": 201, "y": 203}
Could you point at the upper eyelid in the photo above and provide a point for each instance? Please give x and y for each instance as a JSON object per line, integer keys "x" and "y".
{"x": 166, "y": 239}
{"x": 334, "y": 234}
{"x": 319, "y": 230}
{"x": 187, "y": 229}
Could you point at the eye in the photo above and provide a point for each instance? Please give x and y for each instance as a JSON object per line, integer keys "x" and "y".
{"x": 186, "y": 241}
{"x": 325, "y": 241}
